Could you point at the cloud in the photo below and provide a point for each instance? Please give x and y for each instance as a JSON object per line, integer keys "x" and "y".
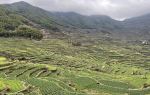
{"x": 117, "y": 9}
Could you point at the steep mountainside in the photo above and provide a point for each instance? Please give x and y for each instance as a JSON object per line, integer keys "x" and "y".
{"x": 10, "y": 21}
{"x": 15, "y": 25}
{"x": 54, "y": 19}
{"x": 139, "y": 23}
{"x": 32, "y": 13}
{"x": 134, "y": 28}
{"x": 87, "y": 22}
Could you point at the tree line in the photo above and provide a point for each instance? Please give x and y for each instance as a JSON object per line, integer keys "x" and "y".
{"x": 23, "y": 31}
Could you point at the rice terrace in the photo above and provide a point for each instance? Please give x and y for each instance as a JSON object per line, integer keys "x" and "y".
{"x": 54, "y": 53}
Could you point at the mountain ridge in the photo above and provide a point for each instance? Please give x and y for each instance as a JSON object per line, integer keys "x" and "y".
{"x": 26, "y": 3}
{"x": 67, "y": 19}
{"x": 58, "y": 21}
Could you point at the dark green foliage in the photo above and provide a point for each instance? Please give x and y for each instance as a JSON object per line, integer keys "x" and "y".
{"x": 25, "y": 32}
{"x": 8, "y": 34}
{"x": 14, "y": 25}
{"x": 28, "y": 32}
{"x": 9, "y": 21}
{"x": 76, "y": 43}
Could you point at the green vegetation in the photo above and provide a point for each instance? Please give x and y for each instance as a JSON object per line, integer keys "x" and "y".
{"x": 10, "y": 21}
{"x": 13, "y": 25}
{"x": 56, "y": 67}
{"x": 25, "y": 32}
{"x": 10, "y": 85}
{"x": 28, "y": 32}
{"x": 68, "y": 61}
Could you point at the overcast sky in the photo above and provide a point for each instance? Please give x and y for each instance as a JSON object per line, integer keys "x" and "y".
{"x": 117, "y": 9}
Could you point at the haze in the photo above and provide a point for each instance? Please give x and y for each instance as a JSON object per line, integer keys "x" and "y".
{"x": 117, "y": 9}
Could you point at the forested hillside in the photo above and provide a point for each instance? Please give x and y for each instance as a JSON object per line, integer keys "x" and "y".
{"x": 51, "y": 19}
{"x": 14, "y": 25}
{"x": 133, "y": 29}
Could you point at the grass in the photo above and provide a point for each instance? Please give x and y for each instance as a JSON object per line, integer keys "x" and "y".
{"x": 2, "y": 60}
{"x": 56, "y": 67}
{"x": 11, "y": 85}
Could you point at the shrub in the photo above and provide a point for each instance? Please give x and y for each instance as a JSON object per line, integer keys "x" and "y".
{"x": 28, "y": 32}
{"x": 23, "y": 31}
{"x": 76, "y": 43}
{"x": 7, "y": 34}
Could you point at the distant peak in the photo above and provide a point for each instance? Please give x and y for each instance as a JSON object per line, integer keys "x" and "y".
{"x": 21, "y": 3}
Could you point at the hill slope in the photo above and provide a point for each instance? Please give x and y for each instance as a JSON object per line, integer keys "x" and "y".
{"x": 48, "y": 19}
{"x": 9, "y": 20}
{"x": 86, "y": 62}
{"x": 141, "y": 23}
{"x": 15, "y": 25}
{"x": 134, "y": 28}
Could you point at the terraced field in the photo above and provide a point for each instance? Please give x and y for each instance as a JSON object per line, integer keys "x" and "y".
{"x": 56, "y": 67}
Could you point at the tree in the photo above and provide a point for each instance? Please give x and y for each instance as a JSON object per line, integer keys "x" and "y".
{"x": 29, "y": 32}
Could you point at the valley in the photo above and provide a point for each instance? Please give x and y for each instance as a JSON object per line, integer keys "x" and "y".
{"x": 54, "y": 53}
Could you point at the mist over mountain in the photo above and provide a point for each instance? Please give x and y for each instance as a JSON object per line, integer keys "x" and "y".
{"x": 137, "y": 26}
{"x": 70, "y": 18}
{"x": 141, "y": 22}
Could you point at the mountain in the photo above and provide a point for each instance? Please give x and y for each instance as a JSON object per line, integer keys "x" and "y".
{"x": 15, "y": 25}
{"x": 32, "y": 13}
{"x": 137, "y": 27}
{"x": 70, "y": 19}
{"x": 141, "y": 22}
{"x": 87, "y": 22}
{"x": 10, "y": 20}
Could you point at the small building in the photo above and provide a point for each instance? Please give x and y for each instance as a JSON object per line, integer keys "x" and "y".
{"x": 145, "y": 42}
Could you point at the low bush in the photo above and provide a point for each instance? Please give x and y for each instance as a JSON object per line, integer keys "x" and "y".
{"x": 76, "y": 43}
